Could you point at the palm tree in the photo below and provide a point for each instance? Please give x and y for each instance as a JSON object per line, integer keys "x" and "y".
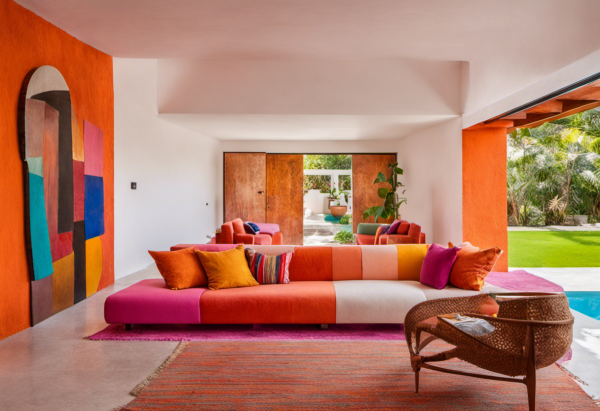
{"x": 554, "y": 170}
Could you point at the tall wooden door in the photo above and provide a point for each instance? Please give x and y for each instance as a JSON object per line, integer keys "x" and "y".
{"x": 364, "y": 193}
{"x": 244, "y": 186}
{"x": 285, "y": 195}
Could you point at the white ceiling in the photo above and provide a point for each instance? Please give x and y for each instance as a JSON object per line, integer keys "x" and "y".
{"x": 313, "y": 29}
{"x": 303, "y": 127}
{"x": 508, "y": 45}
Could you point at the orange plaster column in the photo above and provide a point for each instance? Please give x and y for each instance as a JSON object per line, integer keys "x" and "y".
{"x": 484, "y": 188}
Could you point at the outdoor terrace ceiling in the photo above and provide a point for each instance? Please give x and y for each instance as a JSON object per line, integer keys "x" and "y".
{"x": 576, "y": 101}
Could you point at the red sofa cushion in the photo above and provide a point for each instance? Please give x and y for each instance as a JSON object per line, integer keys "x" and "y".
{"x": 311, "y": 264}
{"x": 304, "y": 302}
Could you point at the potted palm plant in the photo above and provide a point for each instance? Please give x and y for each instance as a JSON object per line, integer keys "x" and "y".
{"x": 391, "y": 200}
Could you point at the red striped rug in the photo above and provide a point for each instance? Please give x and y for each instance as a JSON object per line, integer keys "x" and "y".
{"x": 325, "y": 375}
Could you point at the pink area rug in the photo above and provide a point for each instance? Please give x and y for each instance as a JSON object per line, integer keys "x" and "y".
{"x": 203, "y": 332}
{"x": 521, "y": 280}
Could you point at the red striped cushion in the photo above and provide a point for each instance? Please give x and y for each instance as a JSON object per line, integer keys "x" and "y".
{"x": 269, "y": 269}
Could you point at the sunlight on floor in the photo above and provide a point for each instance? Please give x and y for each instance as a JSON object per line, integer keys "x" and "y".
{"x": 317, "y": 231}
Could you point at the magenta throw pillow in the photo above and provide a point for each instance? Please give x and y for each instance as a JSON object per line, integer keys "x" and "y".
{"x": 394, "y": 227}
{"x": 437, "y": 266}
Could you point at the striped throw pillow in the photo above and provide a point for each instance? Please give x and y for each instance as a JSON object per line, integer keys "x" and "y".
{"x": 269, "y": 269}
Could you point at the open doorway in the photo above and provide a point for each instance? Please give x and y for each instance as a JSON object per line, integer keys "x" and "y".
{"x": 331, "y": 195}
{"x": 327, "y": 207}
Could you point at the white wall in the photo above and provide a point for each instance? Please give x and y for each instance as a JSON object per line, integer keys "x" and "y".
{"x": 177, "y": 172}
{"x": 432, "y": 163}
{"x": 343, "y": 87}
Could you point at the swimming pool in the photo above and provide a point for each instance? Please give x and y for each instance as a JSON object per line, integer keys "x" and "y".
{"x": 586, "y": 302}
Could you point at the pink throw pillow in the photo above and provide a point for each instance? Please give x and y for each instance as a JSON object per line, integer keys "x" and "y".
{"x": 437, "y": 266}
{"x": 394, "y": 227}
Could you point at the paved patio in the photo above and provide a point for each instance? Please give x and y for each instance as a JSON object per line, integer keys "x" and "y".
{"x": 317, "y": 231}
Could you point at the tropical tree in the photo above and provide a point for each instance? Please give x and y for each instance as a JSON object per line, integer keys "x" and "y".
{"x": 554, "y": 170}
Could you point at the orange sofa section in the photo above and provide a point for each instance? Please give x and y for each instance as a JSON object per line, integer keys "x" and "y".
{"x": 303, "y": 302}
{"x": 346, "y": 263}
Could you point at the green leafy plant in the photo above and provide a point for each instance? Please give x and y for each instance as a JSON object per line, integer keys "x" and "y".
{"x": 336, "y": 195}
{"x": 391, "y": 200}
{"x": 328, "y": 162}
{"x": 346, "y": 219}
{"x": 318, "y": 182}
{"x": 344, "y": 237}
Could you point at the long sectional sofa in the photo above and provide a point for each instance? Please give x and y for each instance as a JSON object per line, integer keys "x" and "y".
{"x": 328, "y": 285}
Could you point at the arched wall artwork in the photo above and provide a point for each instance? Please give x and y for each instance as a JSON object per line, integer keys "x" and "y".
{"x": 64, "y": 195}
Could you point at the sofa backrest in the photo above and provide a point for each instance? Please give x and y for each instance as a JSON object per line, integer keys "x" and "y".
{"x": 337, "y": 263}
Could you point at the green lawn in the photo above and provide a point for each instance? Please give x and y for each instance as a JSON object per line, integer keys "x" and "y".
{"x": 554, "y": 248}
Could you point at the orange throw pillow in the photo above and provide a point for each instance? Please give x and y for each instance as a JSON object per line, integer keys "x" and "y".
{"x": 180, "y": 269}
{"x": 472, "y": 265}
{"x": 227, "y": 269}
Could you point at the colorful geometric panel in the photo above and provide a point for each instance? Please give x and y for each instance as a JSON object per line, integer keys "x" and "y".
{"x": 78, "y": 153}
{"x": 38, "y": 228}
{"x": 94, "y": 206}
{"x": 64, "y": 197}
{"x": 80, "y": 264}
{"x": 93, "y": 255}
{"x": 51, "y": 170}
{"x": 62, "y": 246}
{"x": 78, "y": 190}
{"x": 61, "y": 101}
{"x": 62, "y": 283}
{"x": 35, "y": 166}
{"x": 34, "y": 128}
{"x": 93, "y": 141}
{"x": 41, "y": 299}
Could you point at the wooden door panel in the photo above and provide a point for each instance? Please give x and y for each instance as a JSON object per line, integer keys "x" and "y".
{"x": 364, "y": 193}
{"x": 285, "y": 195}
{"x": 244, "y": 186}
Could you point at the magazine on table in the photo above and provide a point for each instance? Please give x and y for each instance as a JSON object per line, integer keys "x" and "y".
{"x": 471, "y": 325}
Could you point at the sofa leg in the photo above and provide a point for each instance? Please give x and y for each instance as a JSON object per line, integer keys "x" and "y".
{"x": 127, "y": 327}
{"x": 324, "y": 326}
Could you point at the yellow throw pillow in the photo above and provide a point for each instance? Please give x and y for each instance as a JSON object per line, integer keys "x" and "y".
{"x": 226, "y": 269}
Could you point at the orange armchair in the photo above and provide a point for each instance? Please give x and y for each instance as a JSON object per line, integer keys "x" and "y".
{"x": 233, "y": 232}
{"x": 407, "y": 233}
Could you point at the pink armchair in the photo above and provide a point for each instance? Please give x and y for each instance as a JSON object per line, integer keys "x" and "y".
{"x": 232, "y": 232}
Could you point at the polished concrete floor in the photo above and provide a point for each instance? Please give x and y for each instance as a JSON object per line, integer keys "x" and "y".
{"x": 52, "y": 367}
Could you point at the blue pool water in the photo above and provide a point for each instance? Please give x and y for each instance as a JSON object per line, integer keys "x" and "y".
{"x": 586, "y": 302}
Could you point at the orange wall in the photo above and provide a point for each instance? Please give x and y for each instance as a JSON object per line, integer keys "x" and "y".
{"x": 484, "y": 190}
{"x": 27, "y": 41}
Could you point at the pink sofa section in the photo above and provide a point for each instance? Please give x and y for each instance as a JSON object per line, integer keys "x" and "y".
{"x": 151, "y": 302}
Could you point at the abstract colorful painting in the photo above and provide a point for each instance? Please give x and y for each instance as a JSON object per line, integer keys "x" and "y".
{"x": 64, "y": 195}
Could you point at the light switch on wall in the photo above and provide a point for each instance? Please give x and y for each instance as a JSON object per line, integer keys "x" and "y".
{"x": 134, "y": 186}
